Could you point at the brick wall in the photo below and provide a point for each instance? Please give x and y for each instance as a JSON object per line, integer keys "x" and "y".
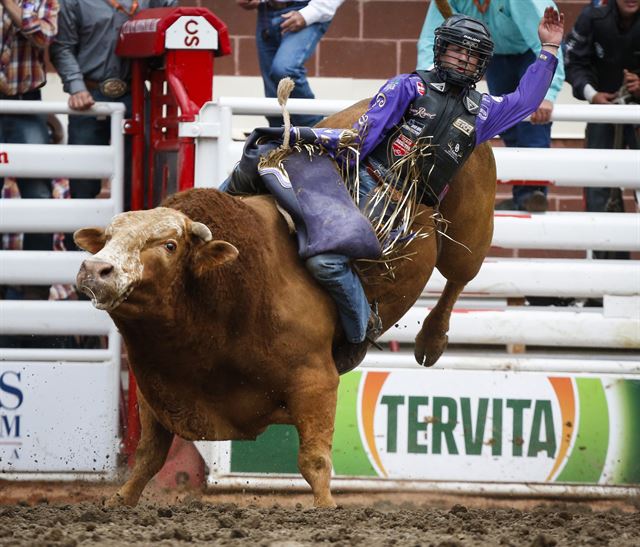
{"x": 367, "y": 38}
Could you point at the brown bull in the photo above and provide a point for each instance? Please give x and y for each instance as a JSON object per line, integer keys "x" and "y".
{"x": 227, "y": 333}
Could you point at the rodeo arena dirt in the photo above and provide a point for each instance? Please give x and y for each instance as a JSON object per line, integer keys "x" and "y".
{"x": 201, "y": 390}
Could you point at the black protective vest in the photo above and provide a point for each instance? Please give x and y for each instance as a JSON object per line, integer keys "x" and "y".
{"x": 442, "y": 118}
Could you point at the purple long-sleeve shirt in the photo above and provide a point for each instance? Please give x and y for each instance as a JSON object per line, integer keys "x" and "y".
{"x": 389, "y": 106}
{"x": 497, "y": 114}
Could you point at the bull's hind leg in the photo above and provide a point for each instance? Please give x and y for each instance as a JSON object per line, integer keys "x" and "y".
{"x": 151, "y": 454}
{"x": 432, "y": 339}
{"x": 313, "y": 409}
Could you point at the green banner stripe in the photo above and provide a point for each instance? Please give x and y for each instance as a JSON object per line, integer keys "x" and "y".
{"x": 628, "y": 469}
{"x": 587, "y": 458}
{"x": 275, "y": 451}
{"x": 349, "y": 456}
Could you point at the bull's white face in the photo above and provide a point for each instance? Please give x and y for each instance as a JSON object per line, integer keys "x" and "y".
{"x": 142, "y": 244}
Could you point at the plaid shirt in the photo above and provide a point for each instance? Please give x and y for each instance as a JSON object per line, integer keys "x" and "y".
{"x": 22, "y": 67}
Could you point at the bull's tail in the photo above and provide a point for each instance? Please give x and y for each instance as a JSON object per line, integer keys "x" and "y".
{"x": 444, "y": 8}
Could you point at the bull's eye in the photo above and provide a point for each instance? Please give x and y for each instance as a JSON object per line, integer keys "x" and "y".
{"x": 170, "y": 246}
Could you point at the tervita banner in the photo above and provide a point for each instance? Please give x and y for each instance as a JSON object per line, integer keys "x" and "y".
{"x": 486, "y": 426}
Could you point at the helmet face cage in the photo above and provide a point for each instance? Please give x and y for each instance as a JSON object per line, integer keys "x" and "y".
{"x": 466, "y": 34}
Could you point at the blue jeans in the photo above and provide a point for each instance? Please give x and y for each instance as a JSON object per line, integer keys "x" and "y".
{"x": 335, "y": 274}
{"x": 97, "y": 131}
{"x": 280, "y": 56}
{"x": 503, "y": 75}
{"x": 28, "y": 129}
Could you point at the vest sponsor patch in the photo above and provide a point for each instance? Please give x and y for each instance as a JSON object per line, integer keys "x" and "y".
{"x": 472, "y": 107}
{"x": 420, "y": 87}
{"x": 453, "y": 149}
{"x": 421, "y": 112}
{"x": 402, "y": 145}
{"x": 413, "y": 126}
{"x": 463, "y": 126}
{"x": 439, "y": 86}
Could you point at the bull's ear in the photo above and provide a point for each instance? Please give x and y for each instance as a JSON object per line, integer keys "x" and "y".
{"x": 213, "y": 254}
{"x": 90, "y": 239}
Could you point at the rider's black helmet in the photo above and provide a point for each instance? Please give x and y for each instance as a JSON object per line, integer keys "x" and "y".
{"x": 469, "y": 33}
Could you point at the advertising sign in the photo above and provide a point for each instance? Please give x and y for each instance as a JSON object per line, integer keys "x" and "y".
{"x": 485, "y": 426}
{"x": 58, "y": 417}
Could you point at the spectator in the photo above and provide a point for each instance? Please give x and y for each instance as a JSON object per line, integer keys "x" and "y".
{"x": 513, "y": 26}
{"x": 287, "y": 34}
{"x": 84, "y": 55}
{"x": 27, "y": 28}
{"x": 601, "y": 58}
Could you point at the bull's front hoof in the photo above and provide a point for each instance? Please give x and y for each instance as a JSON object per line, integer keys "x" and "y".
{"x": 326, "y": 503}
{"x": 428, "y": 349}
{"x": 118, "y": 500}
{"x": 115, "y": 501}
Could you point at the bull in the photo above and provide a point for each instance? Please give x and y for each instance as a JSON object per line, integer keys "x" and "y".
{"x": 226, "y": 331}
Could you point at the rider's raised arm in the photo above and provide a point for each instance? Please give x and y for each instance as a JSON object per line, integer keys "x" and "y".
{"x": 500, "y": 113}
{"x": 497, "y": 114}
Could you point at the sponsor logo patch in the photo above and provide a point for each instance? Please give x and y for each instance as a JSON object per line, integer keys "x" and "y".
{"x": 414, "y": 127}
{"x": 420, "y": 87}
{"x": 463, "y": 126}
{"x": 421, "y": 112}
{"x": 402, "y": 145}
{"x": 453, "y": 149}
{"x": 471, "y": 106}
{"x": 439, "y": 86}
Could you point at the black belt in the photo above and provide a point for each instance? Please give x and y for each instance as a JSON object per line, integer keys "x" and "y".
{"x": 275, "y": 5}
{"x": 33, "y": 95}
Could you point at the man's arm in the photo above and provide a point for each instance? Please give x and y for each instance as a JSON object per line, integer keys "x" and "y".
{"x": 580, "y": 72}
{"x": 40, "y": 30}
{"x": 64, "y": 59}
{"x": 425, "y": 43}
{"x": 319, "y": 11}
{"x": 316, "y": 11}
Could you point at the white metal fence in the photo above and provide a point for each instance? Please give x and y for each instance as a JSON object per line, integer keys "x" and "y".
{"x": 81, "y": 383}
{"x": 616, "y": 325}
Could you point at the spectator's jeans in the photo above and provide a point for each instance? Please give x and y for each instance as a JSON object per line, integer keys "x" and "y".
{"x": 335, "y": 274}
{"x": 601, "y": 135}
{"x": 97, "y": 131}
{"x": 280, "y": 56}
{"x": 503, "y": 76}
{"x": 28, "y": 129}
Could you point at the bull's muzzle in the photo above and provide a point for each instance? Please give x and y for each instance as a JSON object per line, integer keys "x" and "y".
{"x": 92, "y": 269}
{"x": 96, "y": 279}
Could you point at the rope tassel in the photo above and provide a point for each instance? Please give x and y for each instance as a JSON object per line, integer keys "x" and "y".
{"x": 285, "y": 87}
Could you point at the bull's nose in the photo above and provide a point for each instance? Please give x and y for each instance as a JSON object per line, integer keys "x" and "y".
{"x": 96, "y": 269}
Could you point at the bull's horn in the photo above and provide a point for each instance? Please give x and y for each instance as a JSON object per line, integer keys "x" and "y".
{"x": 202, "y": 231}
